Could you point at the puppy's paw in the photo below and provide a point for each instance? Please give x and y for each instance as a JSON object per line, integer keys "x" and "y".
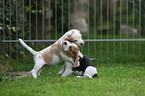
{"x": 67, "y": 72}
{"x": 34, "y": 75}
{"x": 79, "y": 76}
{"x": 38, "y": 74}
{"x": 60, "y": 72}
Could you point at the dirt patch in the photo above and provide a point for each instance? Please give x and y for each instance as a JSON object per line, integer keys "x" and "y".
{"x": 16, "y": 75}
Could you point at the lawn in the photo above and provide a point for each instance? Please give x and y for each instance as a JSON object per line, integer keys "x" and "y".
{"x": 119, "y": 75}
{"x": 115, "y": 79}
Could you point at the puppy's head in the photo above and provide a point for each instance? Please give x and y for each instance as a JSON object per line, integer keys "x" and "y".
{"x": 75, "y": 36}
{"x": 70, "y": 49}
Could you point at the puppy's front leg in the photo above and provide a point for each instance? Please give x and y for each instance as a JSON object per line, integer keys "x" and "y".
{"x": 68, "y": 69}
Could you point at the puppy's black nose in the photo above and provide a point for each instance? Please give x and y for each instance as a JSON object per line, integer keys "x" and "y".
{"x": 81, "y": 44}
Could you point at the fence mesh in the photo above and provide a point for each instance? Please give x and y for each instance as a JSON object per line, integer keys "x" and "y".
{"x": 113, "y": 30}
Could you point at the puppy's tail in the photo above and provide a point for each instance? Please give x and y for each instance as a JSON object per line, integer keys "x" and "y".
{"x": 27, "y": 47}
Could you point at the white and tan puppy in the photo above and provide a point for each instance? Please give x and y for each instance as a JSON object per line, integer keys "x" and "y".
{"x": 53, "y": 54}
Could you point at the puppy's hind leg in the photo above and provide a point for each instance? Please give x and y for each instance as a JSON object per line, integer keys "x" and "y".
{"x": 38, "y": 65}
{"x": 45, "y": 66}
{"x": 62, "y": 70}
{"x": 40, "y": 70}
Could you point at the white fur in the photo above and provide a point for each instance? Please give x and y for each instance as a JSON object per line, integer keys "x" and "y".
{"x": 62, "y": 70}
{"x": 55, "y": 60}
{"x": 39, "y": 61}
{"x": 68, "y": 69}
{"x": 66, "y": 58}
{"x": 90, "y": 71}
{"x": 26, "y": 46}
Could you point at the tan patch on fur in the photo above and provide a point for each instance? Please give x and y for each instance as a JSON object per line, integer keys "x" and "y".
{"x": 58, "y": 43}
{"x": 72, "y": 52}
{"x": 48, "y": 55}
{"x": 76, "y": 60}
{"x": 70, "y": 39}
{"x": 40, "y": 57}
{"x": 79, "y": 32}
{"x": 71, "y": 34}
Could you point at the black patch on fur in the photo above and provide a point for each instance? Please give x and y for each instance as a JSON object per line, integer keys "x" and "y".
{"x": 84, "y": 63}
{"x": 95, "y": 76}
{"x": 65, "y": 43}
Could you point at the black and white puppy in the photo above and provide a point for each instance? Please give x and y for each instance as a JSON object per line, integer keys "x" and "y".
{"x": 85, "y": 67}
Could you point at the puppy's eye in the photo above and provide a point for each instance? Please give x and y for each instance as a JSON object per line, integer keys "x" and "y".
{"x": 70, "y": 47}
{"x": 75, "y": 40}
{"x": 65, "y": 43}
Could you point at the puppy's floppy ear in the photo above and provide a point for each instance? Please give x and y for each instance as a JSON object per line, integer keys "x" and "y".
{"x": 73, "y": 50}
{"x": 76, "y": 60}
{"x": 70, "y": 39}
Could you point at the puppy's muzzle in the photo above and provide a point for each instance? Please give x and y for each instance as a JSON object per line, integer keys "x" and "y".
{"x": 81, "y": 44}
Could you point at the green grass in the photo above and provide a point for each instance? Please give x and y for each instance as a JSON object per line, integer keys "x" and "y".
{"x": 118, "y": 75}
{"x": 124, "y": 79}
